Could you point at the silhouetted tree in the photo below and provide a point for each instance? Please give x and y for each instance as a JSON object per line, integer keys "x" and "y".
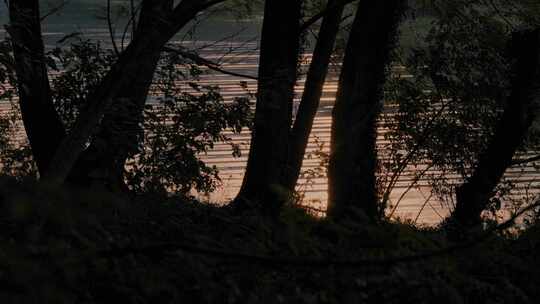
{"x": 313, "y": 89}
{"x": 43, "y": 125}
{"x": 271, "y": 173}
{"x": 120, "y": 133}
{"x": 459, "y": 114}
{"x": 522, "y": 108}
{"x": 124, "y": 87}
{"x": 353, "y": 157}
{"x": 268, "y": 157}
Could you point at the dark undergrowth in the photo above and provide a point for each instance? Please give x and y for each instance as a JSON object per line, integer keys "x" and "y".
{"x": 60, "y": 246}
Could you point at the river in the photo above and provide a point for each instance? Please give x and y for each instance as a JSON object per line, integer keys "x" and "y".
{"x": 236, "y": 44}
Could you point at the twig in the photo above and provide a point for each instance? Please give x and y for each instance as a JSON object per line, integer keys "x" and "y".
{"x": 401, "y": 167}
{"x": 111, "y": 30}
{"x": 133, "y": 12}
{"x": 205, "y": 62}
{"x": 526, "y": 160}
{"x": 426, "y": 202}
{"x": 131, "y": 22}
{"x": 412, "y": 185}
{"x": 54, "y": 10}
{"x": 323, "y": 13}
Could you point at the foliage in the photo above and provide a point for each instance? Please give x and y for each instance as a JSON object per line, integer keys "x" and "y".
{"x": 319, "y": 171}
{"x": 81, "y": 65}
{"x": 446, "y": 112}
{"x": 6, "y": 73}
{"x": 181, "y": 125}
{"x": 185, "y": 120}
{"x": 15, "y": 154}
{"x": 7, "y": 69}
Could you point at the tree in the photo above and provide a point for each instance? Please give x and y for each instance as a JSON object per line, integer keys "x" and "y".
{"x": 522, "y": 108}
{"x": 458, "y": 110}
{"x": 445, "y": 113}
{"x": 274, "y": 179}
{"x": 178, "y": 125}
{"x": 313, "y": 88}
{"x": 267, "y": 164}
{"x": 120, "y": 132}
{"x": 353, "y": 159}
{"x": 57, "y": 154}
{"x": 298, "y": 133}
{"x": 43, "y": 126}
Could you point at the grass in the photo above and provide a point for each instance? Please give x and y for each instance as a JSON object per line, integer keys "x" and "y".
{"x": 82, "y": 246}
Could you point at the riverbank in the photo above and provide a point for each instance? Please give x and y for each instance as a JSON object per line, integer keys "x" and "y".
{"x": 81, "y": 246}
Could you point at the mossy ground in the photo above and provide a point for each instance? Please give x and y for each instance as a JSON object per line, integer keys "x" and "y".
{"x": 70, "y": 246}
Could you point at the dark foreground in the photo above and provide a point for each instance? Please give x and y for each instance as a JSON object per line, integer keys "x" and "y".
{"x": 60, "y": 246}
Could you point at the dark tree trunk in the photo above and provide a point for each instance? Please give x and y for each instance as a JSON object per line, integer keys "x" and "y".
{"x": 521, "y": 110}
{"x": 313, "y": 90}
{"x": 104, "y": 99}
{"x": 103, "y": 162}
{"x": 353, "y": 156}
{"x": 267, "y": 164}
{"x": 43, "y": 125}
{"x": 121, "y": 130}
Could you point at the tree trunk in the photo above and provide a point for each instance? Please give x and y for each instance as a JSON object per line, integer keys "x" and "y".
{"x": 121, "y": 130}
{"x": 521, "y": 110}
{"x": 103, "y": 162}
{"x": 43, "y": 125}
{"x": 353, "y": 156}
{"x": 313, "y": 90}
{"x": 267, "y": 164}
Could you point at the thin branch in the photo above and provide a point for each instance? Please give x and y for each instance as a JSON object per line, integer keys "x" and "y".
{"x": 133, "y": 11}
{"x": 401, "y": 167}
{"x": 501, "y": 14}
{"x": 111, "y": 30}
{"x": 205, "y": 62}
{"x": 426, "y": 202}
{"x": 193, "y": 5}
{"x": 101, "y": 98}
{"x": 435, "y": 210}
{"x": 131, "y": 22}
{"x": 323, "y": 13}
{"x": 54, "y": 10}
{"x": 526, "y": 160}
{"x": 409, "y": 188}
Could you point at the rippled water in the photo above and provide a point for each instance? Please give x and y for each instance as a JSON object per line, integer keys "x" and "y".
{"x": 80, "y": 16}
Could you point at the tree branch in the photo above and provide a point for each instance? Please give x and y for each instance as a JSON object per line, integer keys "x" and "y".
{"x": 120, "y": 74}
{"x": 207, "y": 63}
{"x": 111, "y": 30}
{"x": 525, "y": 160}
{"x": 188, "y": 9}
{"x": 323, "y": 13}
{"x": 54, "y": 10}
